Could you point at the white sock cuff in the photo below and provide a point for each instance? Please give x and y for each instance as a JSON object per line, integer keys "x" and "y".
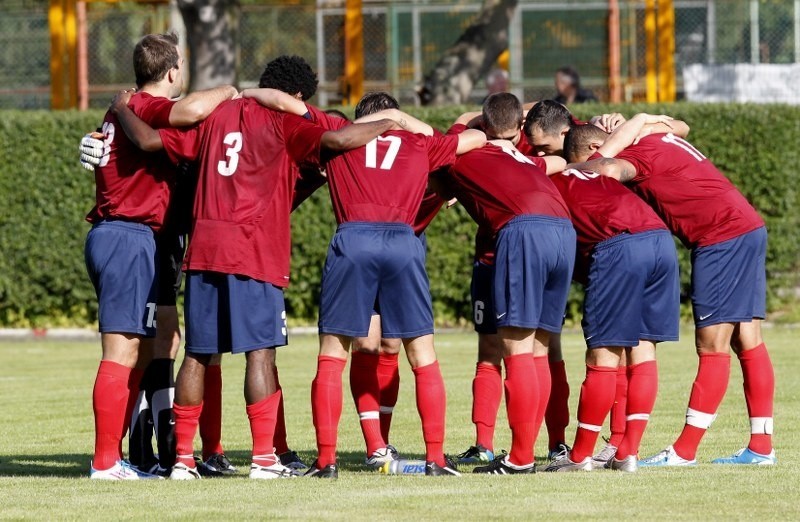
{"x": 638, "y": 416}
{"x": 387, "y": 410}
{"x": 761, "y": 425}
{"x": 369, "y": 415}
{"x": 591, "y": 427}
{"x": 699, "y": 419}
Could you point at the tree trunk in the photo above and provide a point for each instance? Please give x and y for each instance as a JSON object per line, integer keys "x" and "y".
{"x": 210, "y": 33}
{"x": 461, "y": 66}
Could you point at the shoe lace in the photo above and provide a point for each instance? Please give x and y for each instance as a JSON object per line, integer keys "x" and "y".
{"x": 473, "y": 451}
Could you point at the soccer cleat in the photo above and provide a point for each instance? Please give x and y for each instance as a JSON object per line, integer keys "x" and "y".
{"x": 748, "y": 456}
{"x": 273, "y": 471}
{"x": 449, "y": 469}
{"x": 565, "y": 463}
{"x": 217, "y": 465}
{"x": 666, "y": 457}
{"x": 181, "y": 471}
{"x": 156, "y": 469}
{"x": 394, "y": 451}
{"x": 121, "y": 470}
{"x": 292, "y": 460}
{"x": 501, "y": 466}
{"x": 629, "y": 464}
{"x": 380, "y": 457}
{"x": 604, "y": 456}
{"x": 475, "y": 455}
{"x": 331, "y": 471}
{"x": 558, "y": 450}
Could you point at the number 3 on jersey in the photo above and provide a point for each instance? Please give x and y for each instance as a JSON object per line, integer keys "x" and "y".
{"x": 234, "y": 140}
{"x": 391, "y": 153}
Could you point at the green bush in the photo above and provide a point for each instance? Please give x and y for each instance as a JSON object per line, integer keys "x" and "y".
{"x": 45, "y": 194}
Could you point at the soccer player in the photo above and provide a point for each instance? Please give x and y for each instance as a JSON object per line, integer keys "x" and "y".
{"x": 374, "y": 257}
{"x": 534, "y": 256}
{"x": 728, "y": 242}
{"x": 631, "y": 303}
{"x": 238, "y": 257}
{"x": 133, "y": 190}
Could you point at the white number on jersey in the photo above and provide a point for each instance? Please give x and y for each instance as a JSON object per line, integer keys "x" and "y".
{"x": 108, "y": 132}
{"x": 683, "y": 144}
{"x": 584, "y": 175}
{"x": 517, "y": 155}
{"x": 391, "y": 154}
{"x": 227, "y": 168}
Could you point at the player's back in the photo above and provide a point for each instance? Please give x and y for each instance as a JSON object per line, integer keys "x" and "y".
{"x": 384, "y": 181}
{"x": 495, "y": 184}
{"x": 698, "y": 203}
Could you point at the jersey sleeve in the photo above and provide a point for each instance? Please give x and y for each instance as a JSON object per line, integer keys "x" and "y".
{"x": 640, "y": 156}
{"x": 156, "y": 112}
{"x": 303, "y": 139}
{"x": 181, "y": 144}
{"x": 457, "y": 128}
{"x": 324, "y": 119}
{"x": 441, "y": 151}
{"x": 539, "y": 161}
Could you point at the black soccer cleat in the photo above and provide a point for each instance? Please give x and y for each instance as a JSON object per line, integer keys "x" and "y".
{"x": 501, "y": 466}
{"x": 449, "y": 469}
{"x": 331, "y": 471}
{"x": 292, "y": 460}
{"x": 217, "y": 465}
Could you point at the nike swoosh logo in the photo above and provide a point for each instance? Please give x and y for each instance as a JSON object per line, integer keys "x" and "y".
{"x": 500, "y": 316}
{"x": 589, "y": 337}
{"x": 704, "y": 317}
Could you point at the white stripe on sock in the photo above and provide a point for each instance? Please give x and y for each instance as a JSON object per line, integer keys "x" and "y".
{"x": 590, "y": 427}
{"x": 761, "y": 425}
{"x": 698, "y": 419}
{"x": 386, "y": 409}
{"x": 638, "y": 416}
{"x": 369, "y": 415}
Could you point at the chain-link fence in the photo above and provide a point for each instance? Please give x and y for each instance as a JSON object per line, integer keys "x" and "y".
{"x": 403, "y": 39}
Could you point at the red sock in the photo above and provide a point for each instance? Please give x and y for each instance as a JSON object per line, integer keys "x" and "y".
{"x": 619, "y": 409}
{"x": 262, "y": 416}
{"x": 556, "y": 416}
{"x": 211, "y": 417}
{"x": 134, "y": 380}
{"x": 708, "y": 390}
{"x": 186, "y": 420}
{"x": 389, "y": 382}
{"x": 109, "y": 401}
{"x": 366, "y": 391}
{"x": 542, "y": 366}
{"x": 597, "y": 397}
{"x": 759, "y": 392}
{"x": 326, "y": 406}
{"x": 487, "y": 392}
{"x": 642, "y": 391}
{"x": 431, "y": 404}
{"x": 279, "y": 439}
{"x": 522, "y": 401}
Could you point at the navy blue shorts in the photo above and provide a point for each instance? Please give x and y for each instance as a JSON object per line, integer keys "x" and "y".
{"x": 375, "y": 266}
{"x": 229, "y": 313}
{"x": 633, "y": 291}
{"x": 533, "y": 269}
{"x": 121, "y": 261}
{"x": 729, "y": 280}
{"x": 483, "y": 315}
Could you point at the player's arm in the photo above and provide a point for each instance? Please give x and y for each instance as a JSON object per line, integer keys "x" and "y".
{"x": 554, "y": 164}
{"x": 470, "y": 139}
{"x": 677, "y": 127}
{"x": 471, "y": 120}
{"x": 196, "y": 107}
{"x": 619, "y": 169}
{"x": 355, "y": 135}
{"x": 276, "y": 100}
{"x": 405, "y": 121}
{"x": 608, "y": 122}
{"x": 629, "y": 133}
{"x": 138, "y": 131}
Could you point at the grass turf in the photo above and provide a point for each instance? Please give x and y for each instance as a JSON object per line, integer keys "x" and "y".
{"x": 47, "y": 436}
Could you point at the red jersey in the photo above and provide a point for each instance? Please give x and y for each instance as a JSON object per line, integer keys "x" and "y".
{"x": 496, "y": 185}
{"x": 383, "y": 181}
{"x": 132, "y": 185}
{"x": 698, "y": 203}
{"x": 244, "y": 191}
{"x": 602, "y": 208}
{"x": 430, "y": 206}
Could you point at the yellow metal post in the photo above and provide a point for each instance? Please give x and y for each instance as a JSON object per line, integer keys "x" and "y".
{"x": 353, "y": 52}
{"x": 666, "y": 51}
{"x": 71, "y": 43}
{"x": 651, "y": 51}
{"x": 57, "y": 52}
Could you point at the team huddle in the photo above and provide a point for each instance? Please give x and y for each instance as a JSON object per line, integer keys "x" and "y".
{"x": 554, "y": 198}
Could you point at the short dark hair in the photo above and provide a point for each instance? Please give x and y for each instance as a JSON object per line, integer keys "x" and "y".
{"x": 290, "y": 74}
{"x": 578, "y": 139}
{"x": 571, "y": 73}
{"x": 549, "y": 116}
{"x": 373, "y": 102}
{"x": 154, "y": 56}
{"x": 502, "y": 111}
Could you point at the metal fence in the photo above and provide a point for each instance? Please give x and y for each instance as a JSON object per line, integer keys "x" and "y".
{"x": 403, "y": 39}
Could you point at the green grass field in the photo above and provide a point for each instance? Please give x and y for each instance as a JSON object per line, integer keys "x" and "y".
{"x": 47, "y": 435}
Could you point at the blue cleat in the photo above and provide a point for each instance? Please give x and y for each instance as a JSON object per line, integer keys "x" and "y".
{"x": 747, "y": 456}
{"x": 666, "y": 457}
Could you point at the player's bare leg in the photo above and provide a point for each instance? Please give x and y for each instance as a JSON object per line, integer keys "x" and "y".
{"x": 487, "y": 392}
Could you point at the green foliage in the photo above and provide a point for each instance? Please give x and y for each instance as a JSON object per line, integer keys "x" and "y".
{"x": 45, "y": 195}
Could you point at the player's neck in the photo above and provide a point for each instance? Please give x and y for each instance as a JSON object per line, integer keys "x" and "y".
{"x": 157, "y": 89}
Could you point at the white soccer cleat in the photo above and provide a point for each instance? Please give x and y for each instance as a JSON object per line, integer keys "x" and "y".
{"x": 273, "y": 471}
{"x": 121, "y": 470}
{"x": 181, "y": 471}
{"x": 666, "y": 457}
{"x": 380, "y": 457}
{"x": 604, "y": 456}
{"x": 565, "y": 463}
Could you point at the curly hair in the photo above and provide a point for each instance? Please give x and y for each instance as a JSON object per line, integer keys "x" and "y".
{"x": 290, "y": 74}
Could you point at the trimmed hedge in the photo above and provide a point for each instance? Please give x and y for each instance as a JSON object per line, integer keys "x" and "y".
{"x": 45, "y": 194}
